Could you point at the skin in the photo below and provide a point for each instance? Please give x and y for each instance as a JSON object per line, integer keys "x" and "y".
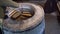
{"x": 6, "y": 3}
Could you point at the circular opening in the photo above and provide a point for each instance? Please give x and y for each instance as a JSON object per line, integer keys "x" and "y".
{"x": 27, "y": 11}
{"x": 23, "y": 13}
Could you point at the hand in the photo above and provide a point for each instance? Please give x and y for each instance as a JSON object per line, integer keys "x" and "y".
{"x": 6, "y": 3}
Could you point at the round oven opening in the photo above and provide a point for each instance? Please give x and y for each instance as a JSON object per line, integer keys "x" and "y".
{"x": 22, "y": 13}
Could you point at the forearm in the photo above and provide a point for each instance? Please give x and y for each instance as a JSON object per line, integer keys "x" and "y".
{"x": 8, "y": 3}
